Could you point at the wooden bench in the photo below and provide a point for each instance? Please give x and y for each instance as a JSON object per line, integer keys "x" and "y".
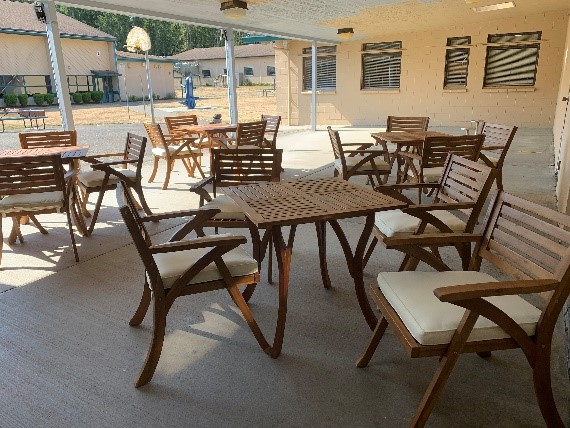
{"x": 23, "y": 115}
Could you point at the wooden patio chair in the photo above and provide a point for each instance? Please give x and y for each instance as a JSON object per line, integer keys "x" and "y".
{"x": 35, "y": 140}
{"x": 105, "y": 176}
{"x": 449, "y": 313}
{"x": 407, "y": 124}
{"x": 271, "y": 130}
{"x": 182, "y": 267}
{"x": 457, "y": 202}
{"x": 173, "y": 123}
{"x": 32, "y": 185}
{"x": 249, "y": 135}
{"x": 234, "y": 168}
{"x": 172, "y": 148}
{"x": 498, "y": 139}
{"x": 373, "y": 163}
{"x": 425, "y": 165}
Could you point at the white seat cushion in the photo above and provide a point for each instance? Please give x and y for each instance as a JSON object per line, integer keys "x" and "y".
{"x": 95, "y": 178}
{"x": 395, "y": 222}
{"x": 172, "y": 265}
{"x": 159, "y": 151}
{"x": 433, "y": 322}
{"x": 31, "y": 202}
{"x": 229, "y": 209}
{"x": 431, "y": 175}
{"x": 351, "y": 161}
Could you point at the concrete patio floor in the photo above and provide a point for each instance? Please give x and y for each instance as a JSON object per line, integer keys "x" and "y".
{"x": 69, "y": 357}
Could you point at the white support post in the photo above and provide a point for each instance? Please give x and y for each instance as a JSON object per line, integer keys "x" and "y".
{"x": 314, "y": 86}
{"x": 149, "y": 83}
{"x": 230, "y": 67}
{"x": 56, "y": 56}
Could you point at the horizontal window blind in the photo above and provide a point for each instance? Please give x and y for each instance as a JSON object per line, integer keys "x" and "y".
{"x": 456, "y": 62}
{"x": 326, "y": 69}
{"x": 512, "y": 64}
{"x": 381, "y": 70}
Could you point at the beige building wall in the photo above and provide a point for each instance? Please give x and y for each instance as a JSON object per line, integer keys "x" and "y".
{"x": 132, "y": 81}
{"x": 258, "y": 63}
{"x": 24, "y": 55}
{"x": 82, "y": 56}
{"x": 562, "y": 132}
{"x": 421, "y": 87}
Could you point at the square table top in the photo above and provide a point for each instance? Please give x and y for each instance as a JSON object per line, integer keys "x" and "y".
{"x": 308, "y": 201}
{"x": 69, "y": 152}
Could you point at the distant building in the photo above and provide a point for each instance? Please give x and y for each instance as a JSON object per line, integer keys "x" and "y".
{"x": 25, "y": 67}
{"x": 255, "y": 63}
{"x": 133, "y": 82}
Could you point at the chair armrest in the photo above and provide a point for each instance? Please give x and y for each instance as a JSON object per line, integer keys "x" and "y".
{"x": 367, "y": 151}
{"x": 492, "y": 147}
{"x": 69, "y": 175}
{"x": 94, "y": 158}
{"x": 193, "y": 244}
{"x": 185, "y": 213}
{"x": 431, "y": 240}
{"x": 452, "y": 206}
{"x": 406, "y": 186}
{"x": 487, "y": 289}
{"x": 104, "y": 165}
{"x": 393, "y": 193}
{"x": 198, "y": 188}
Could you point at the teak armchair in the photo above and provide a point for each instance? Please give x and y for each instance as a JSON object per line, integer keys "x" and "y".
{"x": 183, "y": 267}
{"x": 34, "y": 140}
{"x": 173, "y": 123}
{"x": 449, "y": 313}
{"x": 425, "y": 165}
{"x": 172, "y": 148}
{"x": 33, "y": 185}
{"x": 407, "y": 123}
{"x": 456, "y": 205}
{"x": 105, "y": 176}
{"x": 271, "y": 130}
{"x": 373, "y": 163}
{"x": 249, "y": 135}
{"x": 498, "y": 139}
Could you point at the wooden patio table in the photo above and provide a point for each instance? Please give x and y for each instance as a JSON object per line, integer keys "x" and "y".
{"x": 404, "y": 141}
{"x": 212, "y": 135}
{"x": 271, "y": 206}
{"x": 69, "y": 153}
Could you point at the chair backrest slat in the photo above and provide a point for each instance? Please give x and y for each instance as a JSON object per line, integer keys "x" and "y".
{"x": 34, "y": 140}
{"x": 336, "y": 144}
{"x": 401, "y": 123}
{"x": 232, "y": 167}
{"x": 250, "y": 133}
{"x": 173, "y": 123}
{"x": 155, "y": 135}
{"x": 271, "y": 129}
{"x": 31, "y": 174}
{"x": 500, "y": 136}
{"x": 435, "y": 149}
{"x": 135, "y": 148}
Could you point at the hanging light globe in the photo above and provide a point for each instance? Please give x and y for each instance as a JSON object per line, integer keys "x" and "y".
{"x": 138, "y": 40}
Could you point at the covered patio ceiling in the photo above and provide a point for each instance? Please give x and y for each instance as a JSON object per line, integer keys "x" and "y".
{"x": 319, "y": 19}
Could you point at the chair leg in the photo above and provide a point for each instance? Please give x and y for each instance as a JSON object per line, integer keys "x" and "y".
{"x": 369, "y": 251}
{"x": 83, "y": 204}
{"x": 373, "y": 344}
{"x": 322, "y": 244}
{"x": 499, "y": 179}
{"x": 543, "y": 388}
{"x": 143, "y": 306}
{"x": 144, "y": 205}
{"x": 96, "y": 211}
{"x": 39, "y": 226}
{"x": 169, "y": 168}
{"x": 154, "y": 169}
{"x": 70, "y": 225}
{"x": 15, "y": 233}
{"x": 270, "y": 260}
{"x": 248, "y": 315}
{"x": 155, "y": 347}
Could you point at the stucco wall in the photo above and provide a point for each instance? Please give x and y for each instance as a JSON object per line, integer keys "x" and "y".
{"x": 421, "y": 87}
{"x": 259, "y": 65}
{"x": 135, "y": 72}
{"x": 24, "y": 55}
{"x": 82, "y": 56}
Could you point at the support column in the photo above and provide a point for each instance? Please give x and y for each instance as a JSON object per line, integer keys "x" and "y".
{"x": 149, "y": 83}
{"x": 230, "y": 67}
{"x": 314, "y": 86}
{"x": 56, "y": 57}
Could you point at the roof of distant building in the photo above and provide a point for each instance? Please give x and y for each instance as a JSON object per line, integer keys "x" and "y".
{"x": 240, "y": 51}
{"x": 20, "y": 18}
{"x": 136, "y": 57}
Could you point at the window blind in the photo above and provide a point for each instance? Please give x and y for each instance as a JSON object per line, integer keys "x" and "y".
{"x": 326, "y": 69}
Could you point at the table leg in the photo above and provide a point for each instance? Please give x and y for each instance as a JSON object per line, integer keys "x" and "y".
{"x": 322, "y": 243}
{"x": 356, "y": 266}
{"x": 283, "y": 252}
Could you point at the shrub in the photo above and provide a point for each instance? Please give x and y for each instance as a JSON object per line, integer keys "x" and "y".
{"x": 97, "y": 96}
{"x": 50, "y": 99}
{"x": 39, "y": 99}
{"x": 134, "y": 98}
{"x": 10, "y": 100}
{"x": 86, "y": 97}
{"x": 170, "y": 96}
{"x": 77, "y": 98}
{"x": 23, "y": 99}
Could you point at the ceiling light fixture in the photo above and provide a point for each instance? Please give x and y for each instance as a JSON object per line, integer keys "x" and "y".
{"x": 345, "y": 33}
{"x": 492, "y": 7}
{"x": 234, "y": 9}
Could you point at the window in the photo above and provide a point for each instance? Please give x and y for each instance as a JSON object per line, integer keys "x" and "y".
{"x": 206, "y": 73}
{"x": 248, "y": 71}
{"x": 381, "y": 65}
{"x": 326, "y": 68}
{"x": 512, "y": 59}
{"x": 456, "y": 62}
{"x": 270, "y": 70}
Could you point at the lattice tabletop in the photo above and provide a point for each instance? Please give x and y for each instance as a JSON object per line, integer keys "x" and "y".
{"x": 308, "y": 201}
{"x": 68, "y": 152}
